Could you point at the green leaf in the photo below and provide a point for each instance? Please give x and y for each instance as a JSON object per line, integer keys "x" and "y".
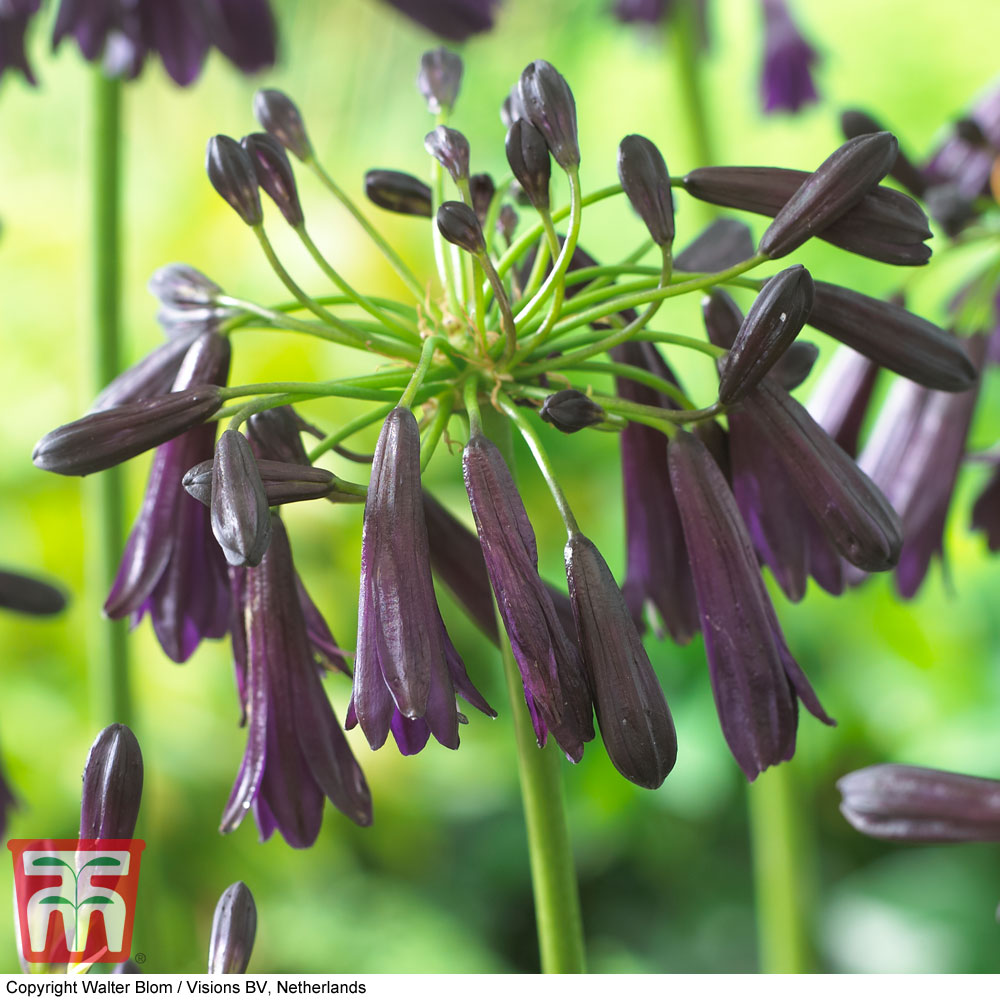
{"x": 55, "y": 899}
{"x": 96, "y": 899}
{"x": 50, "y": 863}
{"x": 102, "y": 861}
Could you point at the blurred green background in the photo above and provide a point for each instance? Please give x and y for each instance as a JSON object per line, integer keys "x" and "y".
{"x": 440, "y": 882}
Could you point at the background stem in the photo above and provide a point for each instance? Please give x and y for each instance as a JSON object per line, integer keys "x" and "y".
{"x": 781, "y": 872}
{"x": 553, "y": 877}
{"x": 108, "y": 669}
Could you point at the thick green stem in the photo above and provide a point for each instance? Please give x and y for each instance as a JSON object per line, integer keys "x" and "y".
{"x": 780, "y": 872}
{"x": 109, "y": 656}
{"x": 553, "y": 878}
{"x": 688, "y": 64}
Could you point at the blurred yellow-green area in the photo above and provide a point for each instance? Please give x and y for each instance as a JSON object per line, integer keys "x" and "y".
{"x": 440, "y": 882}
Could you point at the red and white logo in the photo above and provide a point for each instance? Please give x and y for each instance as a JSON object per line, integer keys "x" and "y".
{"x": 75, "y": 899}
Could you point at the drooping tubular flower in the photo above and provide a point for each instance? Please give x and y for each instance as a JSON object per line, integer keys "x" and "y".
{"x": 14, "y": 18}
{"x": 172, "y": 568}
{"x": 786, "y": 83}
{"x": 296, "y": 754}
{"x": 455, "y": 20}
{"x": 407, "y": 671}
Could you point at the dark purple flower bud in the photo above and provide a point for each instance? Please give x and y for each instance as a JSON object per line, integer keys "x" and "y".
{"x": 512, "y": 109}
{"x": 482, "y": 189}
{"x": 112, "y": 785}
{"x": 646, "y": 182}
{"x": 454, "y": 20}
{"x": 451, "y": 149}
{"x": 274, "y": 435}
{"x": 439, "y": 79}
{"x": 949, "y": 207}
{"x": 15, "y": 15}
{"x": 900, "y": 802}
{"x": 720, "y": 245}
{"x": 507, "y": 223}
{"x": 101, "y": 440}
{"x": 632, "y": 713}
{"x": 274, "y": 174}
{"x": 658, "y": 573}
{"x": 244, "y": 32}
{"x": 181, "y": 286}
{"x": 892, "y": 337}
{"x": 755, "y": 679}
{"x": 885, "y": 225}
{"x": 794, "y": 366}
{"x": 647, "y": 11}
{"x": 786, "y": 83}
{"x": 233, "y": 175}
{"x": 458, "y": 224}
{"x": 914, "y": 454}
{"x": 777, "y": 315}
{"x": 723, "y": 318}
{"x": 570, "y": 410}
{"x": 528, "y": 156}
{"x": 986, "y": 512}
{"x": 241, "y": 521}
{"x": 855, "y": 122}
{"x": 283, "y": 483}
{"x": 850, "y": 508}
{"x": 29, "y": 596}
{"x": 838, "y": 184}
{"x": 555, "y": 684}
{"x": 172, "y": 567}
{"x": 398, "y": 192}
{"x": 296, "y": 753}
{"x": 964, "y": 161}
{"x": 278, "y": 115}
{"x": 234, "y": 927}
{"x": 406, "y": 667}
{"x": 840, "y": 400}
{"x": 548, "y": 104}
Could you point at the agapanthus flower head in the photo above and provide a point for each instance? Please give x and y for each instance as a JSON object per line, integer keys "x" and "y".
{"x": 632, "y": 713}
{"x": 439, "y": 79}
{"x": 112, "y": 785}
{"x": 755, "y": 679}
{"x": 15, "y": 16}
{"x": 786, "y": 83}
{"x": 555, "y": 685}
{"x": 274, "y": 174}
{"x": 172, "y": 567}
{"x": 120, "y": 33}
{"x": 901, "y": 802}
{"x": 234, "y": 927}
{"x": 406, "y": 669}
{"x": 296, "y": 753}
{"x": 399, "y": 192}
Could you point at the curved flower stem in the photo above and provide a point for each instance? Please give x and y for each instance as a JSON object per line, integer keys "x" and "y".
{"x": 111, "y": 695}
{"x": 654, "y": 336}
{"x": 542, "y": 460}
{"x": 640, "y": 375}
{"x": 781, "y": 875}
{"x": 407, "y": 333}
{"x": 351, "y": 427}
{"x": 431, "y": 344}
{"x": 553, "y": 878}
{"x": 398, "y": 264}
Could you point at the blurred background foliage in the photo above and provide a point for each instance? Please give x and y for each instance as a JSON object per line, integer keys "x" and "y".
{"x": 440, "y": 882}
